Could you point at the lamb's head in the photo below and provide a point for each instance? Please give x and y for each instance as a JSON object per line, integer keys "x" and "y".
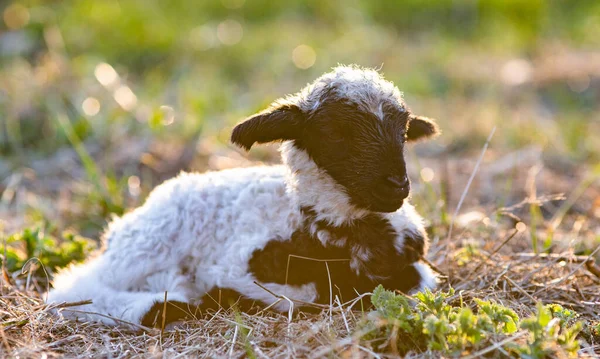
{"x": 354, "y": 125}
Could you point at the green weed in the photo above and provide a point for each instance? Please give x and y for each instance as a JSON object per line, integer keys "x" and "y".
{"x": 50, "y": 251}
{"x": 549, "y": 331}
{"x": 432, "y": 321}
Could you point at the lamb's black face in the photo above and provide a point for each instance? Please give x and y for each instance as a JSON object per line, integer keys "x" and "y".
{"x": 361, "y": 151}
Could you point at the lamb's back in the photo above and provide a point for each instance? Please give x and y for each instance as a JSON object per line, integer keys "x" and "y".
{"x": 211, "y": 221}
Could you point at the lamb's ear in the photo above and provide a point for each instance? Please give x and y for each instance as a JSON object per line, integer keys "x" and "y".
{"x": 278, "y": 123}
{"x": 420, "y": 127}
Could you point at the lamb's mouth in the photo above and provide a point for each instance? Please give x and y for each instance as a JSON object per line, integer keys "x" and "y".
{"x": 385, "y": 203}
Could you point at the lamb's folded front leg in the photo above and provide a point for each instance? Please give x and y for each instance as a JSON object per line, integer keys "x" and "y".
{"x": 387, "y": 249}
{"x": 346, "y": 260}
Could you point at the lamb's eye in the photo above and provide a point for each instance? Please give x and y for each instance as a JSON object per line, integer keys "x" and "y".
{"x": 336, "y": 137}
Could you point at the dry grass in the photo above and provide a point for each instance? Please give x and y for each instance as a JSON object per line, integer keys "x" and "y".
{"x": 519, "y": 281}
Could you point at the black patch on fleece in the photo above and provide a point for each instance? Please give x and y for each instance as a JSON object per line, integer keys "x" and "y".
{"x": 225, "y": 298}
{"x": 372, "y": 234}
{"x": 215, "y": 299}
{"x": 176, "y": 311}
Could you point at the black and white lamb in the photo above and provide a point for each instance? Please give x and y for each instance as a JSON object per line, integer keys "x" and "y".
{"x": 341, "y": 193}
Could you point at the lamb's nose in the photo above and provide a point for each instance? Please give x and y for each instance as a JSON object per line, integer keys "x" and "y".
{"x": 398, "y": 182}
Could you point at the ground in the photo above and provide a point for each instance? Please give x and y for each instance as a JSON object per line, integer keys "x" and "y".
{"x": 101, "y": 101}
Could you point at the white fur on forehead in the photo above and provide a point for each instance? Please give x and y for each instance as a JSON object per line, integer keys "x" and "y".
{"x": 365, "y": 87}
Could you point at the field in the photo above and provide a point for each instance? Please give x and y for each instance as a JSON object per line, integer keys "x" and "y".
{"x": 100, "y": 101}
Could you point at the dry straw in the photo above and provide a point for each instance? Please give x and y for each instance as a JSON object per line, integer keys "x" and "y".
{"x": 29, "y": 329}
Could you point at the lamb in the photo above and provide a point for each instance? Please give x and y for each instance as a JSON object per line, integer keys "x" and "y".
{"x": 208, "y": 239}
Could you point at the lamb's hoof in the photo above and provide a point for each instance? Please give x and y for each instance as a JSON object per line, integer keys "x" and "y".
{"x": 175, "y": 311}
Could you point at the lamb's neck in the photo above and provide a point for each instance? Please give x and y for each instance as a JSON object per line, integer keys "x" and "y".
{"x": 313, "y": 188}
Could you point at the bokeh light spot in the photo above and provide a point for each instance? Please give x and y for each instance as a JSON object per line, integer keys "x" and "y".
{"x": 168, "y": 115}
{"x": 579, "y": 84}
{"x": 304, "y": 57}
{"x": 106, "y": 74}
{"x": 516, "y": 72}
{"x": 16, "y": 16}
{"x": 90, "y": 106}
{"x": 202, "y": 38}
{"x": 125, "y": 98}
{"x": 133, "y": 184}
{"x": 427, "y": 174}
{"x": 230, "y": 32}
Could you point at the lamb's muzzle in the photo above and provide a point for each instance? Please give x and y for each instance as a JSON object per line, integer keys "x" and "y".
{"x": 341, "y": 194}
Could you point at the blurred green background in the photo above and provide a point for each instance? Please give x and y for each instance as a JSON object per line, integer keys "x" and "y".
{"x": 101, "y": 100}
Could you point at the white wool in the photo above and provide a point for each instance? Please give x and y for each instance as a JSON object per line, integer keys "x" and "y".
{"x": 367, "y": 88}
{"x": 311, "y": 186}
{"x": 406, "y": 220}
{"x": 209, "y": 224}
{"x": 428, "y": 278}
